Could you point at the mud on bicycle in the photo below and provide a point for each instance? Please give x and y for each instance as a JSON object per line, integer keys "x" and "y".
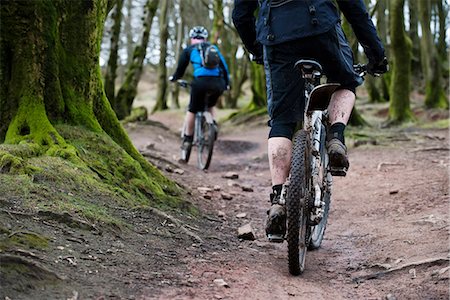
{"x": 307, "y": 191}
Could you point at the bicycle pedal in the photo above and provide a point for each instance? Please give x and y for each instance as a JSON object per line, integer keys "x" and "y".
{"x": 335, "y": 171}
{"x": 276, "y": 238}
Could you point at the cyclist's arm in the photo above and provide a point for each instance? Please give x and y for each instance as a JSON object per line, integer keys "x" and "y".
{"x": 244, "y": 20}
{"x": 183, "y": 63}
{"x": 356, "y": 13}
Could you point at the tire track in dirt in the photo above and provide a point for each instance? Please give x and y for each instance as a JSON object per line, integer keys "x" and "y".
{"x": 391, "y": 209}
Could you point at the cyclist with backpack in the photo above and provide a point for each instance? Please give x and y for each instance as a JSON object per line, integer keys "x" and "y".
{"x": 211, "y": 77}
{"x": 284, "y": 32}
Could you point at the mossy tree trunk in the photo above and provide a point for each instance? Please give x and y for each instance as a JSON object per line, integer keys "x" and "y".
{"x": 382, "y": 28}
{"x": 442, "y": 7}
{"x": 356, "y": 119}
{"x": 399, "y": 109}
{"x": 239, "y": 74}
{"x": 111, "y": 70}
{"x": 434, "y": 93}
{"x": 258, "y": 87}
{"x": 128, "y": 90}
{"x": 161, "y": 96}
{"x": 416, "y": 67}
{"x": 179, "y": 33}
{"x": 50, "y": 76}
{"x": 129, "y": 34}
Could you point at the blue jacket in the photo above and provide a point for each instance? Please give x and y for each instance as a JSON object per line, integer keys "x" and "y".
{"x": 191, "y": 54}
{"x": 285, "y": 20}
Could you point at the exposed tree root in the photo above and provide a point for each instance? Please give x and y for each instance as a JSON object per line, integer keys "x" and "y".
{"x": 181, "y": 225}
{"x": 66, "y": 218}
{"x": 33, "y": 270}
{"x": 430, "y": 261}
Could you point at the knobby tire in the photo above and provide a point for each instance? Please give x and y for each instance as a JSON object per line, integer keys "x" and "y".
{"x": 205, "y": 144}
{"x": 297, "y": 204}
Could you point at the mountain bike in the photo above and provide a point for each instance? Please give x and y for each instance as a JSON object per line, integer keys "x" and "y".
{"x": 205, "y": 133}
{"x": 307, "y": 191}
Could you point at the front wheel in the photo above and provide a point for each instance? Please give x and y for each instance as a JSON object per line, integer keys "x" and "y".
{"x": 205, "y": 143}
{"x": 297, "y": 204}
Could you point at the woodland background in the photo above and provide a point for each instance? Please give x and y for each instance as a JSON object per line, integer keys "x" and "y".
{"x": 415, "y": 34}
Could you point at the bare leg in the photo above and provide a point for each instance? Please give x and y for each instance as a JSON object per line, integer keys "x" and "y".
{"x": 189, "y": 123}
{"x": 341, "y": 106}
{"x": 212, "y": 111}
{"x": 280, "y": 152}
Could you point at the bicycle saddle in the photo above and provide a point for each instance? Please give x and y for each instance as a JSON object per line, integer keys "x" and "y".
{"x": 309, "y": 68}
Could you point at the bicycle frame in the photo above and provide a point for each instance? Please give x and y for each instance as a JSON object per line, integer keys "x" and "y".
{"x": 315, "y": 123}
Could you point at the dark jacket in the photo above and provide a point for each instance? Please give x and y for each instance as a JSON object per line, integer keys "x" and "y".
{"x": 286, "y": 20}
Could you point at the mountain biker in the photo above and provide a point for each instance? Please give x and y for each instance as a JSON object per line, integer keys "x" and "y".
{"x": 209, "y": 81}
{"x": 284, "y": 32}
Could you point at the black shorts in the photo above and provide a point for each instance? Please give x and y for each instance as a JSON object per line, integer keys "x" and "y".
{"x": 285, "y": 98}
{"x": 205, "y": 91}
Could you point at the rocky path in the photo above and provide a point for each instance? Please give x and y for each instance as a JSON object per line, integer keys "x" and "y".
{"x": 387, "y": 236}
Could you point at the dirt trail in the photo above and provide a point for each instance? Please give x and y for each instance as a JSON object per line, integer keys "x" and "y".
{"x": 387, "y": 236}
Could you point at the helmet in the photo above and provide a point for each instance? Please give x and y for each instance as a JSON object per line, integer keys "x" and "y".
{"x": 198, "y": 32}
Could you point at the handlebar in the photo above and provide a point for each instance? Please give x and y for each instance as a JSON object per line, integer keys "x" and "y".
{"x": 183, "y": 83}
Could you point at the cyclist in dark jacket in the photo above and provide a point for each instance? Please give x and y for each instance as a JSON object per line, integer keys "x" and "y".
{"x": 208, "y": 84}
{"x": 284, "y": 32}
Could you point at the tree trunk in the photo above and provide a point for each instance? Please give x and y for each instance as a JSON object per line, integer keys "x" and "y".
{"x": 179, "y": 33}
{"x": 399, "y": 109}
{"x": 443, "y": 14}
{"x": 258, "y": 86}
{"x": 111, "y": 70}
{"x": 416, "y": 67}
{"x": 128, "y": 90}
{"x": 434, "y": 93}
{"x": 161, "y": 99}
{"x": 383, "y": 83}
{"x": 51, "y": 81}
{"x": 129, "y": 35}
{"x": 356, "y": 118}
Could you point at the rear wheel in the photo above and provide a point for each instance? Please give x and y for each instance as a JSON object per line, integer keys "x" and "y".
{"x": 297, "y": 204}
{"x": 205, "y": 144}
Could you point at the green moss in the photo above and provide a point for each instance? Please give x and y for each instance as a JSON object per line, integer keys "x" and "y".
{"x": 90, "y": 178}
{"x": 24, "y": 239}
{"x": 439, "y": 124}
{"x": 137, "y": 114}
{"x": 31, "y": 124}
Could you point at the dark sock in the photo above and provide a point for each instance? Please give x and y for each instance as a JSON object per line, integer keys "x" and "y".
{"x": 337, "y": 131}
{"x": 188, "y": 138}
{"x": 277, "y": 189}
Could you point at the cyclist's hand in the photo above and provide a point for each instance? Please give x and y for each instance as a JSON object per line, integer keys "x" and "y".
{"x": 258, "y": 59}
{"x": 378, "y": 68}
{"x": 172, "y": 79}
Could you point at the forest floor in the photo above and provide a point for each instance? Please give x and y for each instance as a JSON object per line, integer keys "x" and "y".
{"x": 387, "y": 235}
